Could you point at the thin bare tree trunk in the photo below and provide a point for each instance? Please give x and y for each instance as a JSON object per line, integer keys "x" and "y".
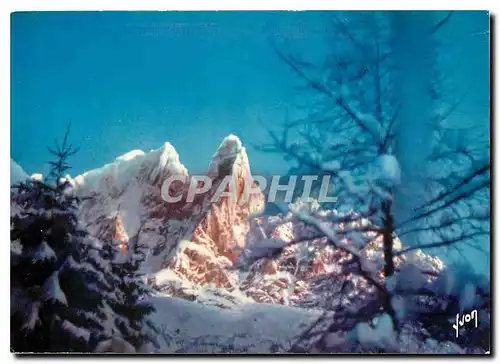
{"x": 387, "y": 234}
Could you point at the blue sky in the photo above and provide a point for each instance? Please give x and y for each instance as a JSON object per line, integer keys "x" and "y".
{"x": 135, "y": 80}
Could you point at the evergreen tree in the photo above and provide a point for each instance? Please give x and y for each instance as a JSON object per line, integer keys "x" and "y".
{"x": 58, "y": 279}
{"x": 138, "y": 329}
{"x": 129, "y": 300}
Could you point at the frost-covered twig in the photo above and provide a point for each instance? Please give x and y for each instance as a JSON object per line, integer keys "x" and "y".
{"x": 363, "y": 271}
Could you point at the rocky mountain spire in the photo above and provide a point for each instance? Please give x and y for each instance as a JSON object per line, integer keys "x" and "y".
{"x": 220, "y": 231}
{"x": 133, "y": 184}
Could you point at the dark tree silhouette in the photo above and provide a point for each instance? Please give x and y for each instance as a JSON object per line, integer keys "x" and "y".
{"x": 61, "y": 152}
{"x": 139, "y": 330}
{"x": 58, "y": 280}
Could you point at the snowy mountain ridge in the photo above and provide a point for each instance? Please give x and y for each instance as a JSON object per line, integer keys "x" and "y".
{"x": 196, "y": 245}
{"x": 130, "y": 187}
{"x": 196, "y": 251}
{"x": 126, "y": 167}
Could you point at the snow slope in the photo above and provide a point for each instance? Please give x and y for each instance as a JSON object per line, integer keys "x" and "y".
{"x": 251, "y": 328}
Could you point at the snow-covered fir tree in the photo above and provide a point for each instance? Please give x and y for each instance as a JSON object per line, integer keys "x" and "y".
{"x": 133, "y": 305}
{"x": 58, "y": 279}
{"x": 128, "y": 301}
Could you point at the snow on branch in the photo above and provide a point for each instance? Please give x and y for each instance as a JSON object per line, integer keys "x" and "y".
{"x": 366, "y": 269}
{"x": 76, "y": 331}
{"x": 44, "y": 253}
{"x": 324, "y": 229}
{"x": 32, "y": 316}
{"x": 52, "y": 290}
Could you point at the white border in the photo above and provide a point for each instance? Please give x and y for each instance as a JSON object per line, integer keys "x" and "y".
{"x": 248, "y": 5}
{"x": 30, "y": 5}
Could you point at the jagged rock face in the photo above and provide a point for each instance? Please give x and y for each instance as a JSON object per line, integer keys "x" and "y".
{"x": 131, "y": 188}
{"x": 225, "y": 224}
{"x": 220, "y": 234}
{"x": 313, "y": 272}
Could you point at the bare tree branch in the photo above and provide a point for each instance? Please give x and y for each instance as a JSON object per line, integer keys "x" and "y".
{"x": 442, "y": 243}
{"x": 442, "y": 22}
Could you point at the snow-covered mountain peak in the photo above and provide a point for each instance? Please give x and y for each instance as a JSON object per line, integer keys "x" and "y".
{"x": 131, "y": 187}
{"x": 17, "y": 173}
{"x": 230, "y": 145}
{"x": 166, "y": 160}
{"x": 129, "y": 155}
{"x": 229, "y": 153}
{"x": 135, "y": 164}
